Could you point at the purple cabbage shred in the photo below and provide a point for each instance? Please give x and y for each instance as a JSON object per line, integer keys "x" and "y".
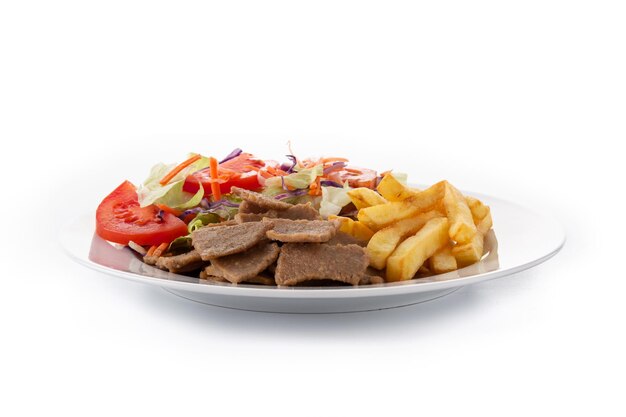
{"x": 334, "y": 167}
{"x": 328, "y": 183}
{"x": 235, "y": 153}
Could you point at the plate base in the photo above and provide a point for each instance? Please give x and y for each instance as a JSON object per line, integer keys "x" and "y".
{"x": 310, "y": 306}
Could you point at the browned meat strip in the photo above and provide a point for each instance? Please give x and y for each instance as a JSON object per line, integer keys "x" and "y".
{"x": 342, "y": 238}
{"x": 262, "y": 201}
{"x": 371, "y": 276}
{"x": 209, "y": 277}
{"x": 297, "y": 212}
{"x": 254, "y": 217}
{"x": 245, "y": 265}
{"x": 261, "y": 280}
{"x": 285, "y": 230}
{"x": 249, "y": 207}
{"x": 300, "y": 212}
{"x": 213, "y": 242}
{"x": 214, "y": 274}
{"x": 185, "y": 262}
{"x": 151, "y": 260}
{"x": 299, "y": 262}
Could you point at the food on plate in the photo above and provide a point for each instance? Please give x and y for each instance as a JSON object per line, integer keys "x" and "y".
{"x": 302, "y": 222}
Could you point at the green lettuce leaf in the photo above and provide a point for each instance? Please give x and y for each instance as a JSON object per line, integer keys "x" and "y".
{"x": 334, "y": 199}
{"x": 301, "y": 179}
{"x": 171, "y": 194}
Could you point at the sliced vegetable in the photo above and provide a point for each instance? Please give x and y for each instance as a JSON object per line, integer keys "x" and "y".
{"x": 334, "y": 199}
{"x": 120, "y": 219}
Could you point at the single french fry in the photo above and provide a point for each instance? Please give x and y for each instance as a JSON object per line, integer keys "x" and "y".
{"x": 411, "y": 254}
{"x": 478, "y": 209}
{"x": 469, "y": 253}
{"x": 384, "y": 242}
{"x": 462, "y": 227}
{"x": 443, "y": 260}
{"x": 486, "y": 223}
{"x": 393, "y": 190}
{"x": 364, "y": 197}
{"x": 354, "y": 228}
{"x": 383, "y": 215}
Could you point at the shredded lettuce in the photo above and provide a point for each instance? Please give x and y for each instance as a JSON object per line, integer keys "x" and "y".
{"x": 334, "y": 199}
{"x": 300, "y": 179}
{"x": 202, "y": 219}
{"x": 180, "y": 245}
{"x": 171, "y": 194}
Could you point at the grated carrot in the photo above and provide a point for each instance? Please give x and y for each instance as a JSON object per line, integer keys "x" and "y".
{"x": 179, "y": 168}
{"x": 333, "y": 159}
{"x": 160, "y": 249}
{"x": 151, "y": 250}
{"x": 168, "y": 209}
{"x": 215, "y": 187}
{"x": 354, "y": 171}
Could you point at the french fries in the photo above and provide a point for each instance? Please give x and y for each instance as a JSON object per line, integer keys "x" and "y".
{"x": 471, "y": 252}
{"x": 443, "y": 261}
{"x": 411, "y": 254}
{"x": 355, "y": 229}
{"x": 462, "y": 227}
{"x": 383, "y": 215}
{"x": 478, "y": 209}
{"x": 364, "y": 197}
{"x": 393, "y": 190}
{"x": 410, "y": 231}
{"x": 385, "y": 241}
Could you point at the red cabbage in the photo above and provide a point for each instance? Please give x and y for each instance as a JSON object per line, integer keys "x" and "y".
{"x": 235, "y": 153}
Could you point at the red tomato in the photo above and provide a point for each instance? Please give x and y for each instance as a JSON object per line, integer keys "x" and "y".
{"x": 119, "y": 219}
{"x": 356, "y": 177}
{"x": 236, "y": 172}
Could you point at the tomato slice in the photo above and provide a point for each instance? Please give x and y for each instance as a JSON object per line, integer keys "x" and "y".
{"x": 356, "y": 177}
{"x": 239, "y": 172}
{"x": 119, "y": 219}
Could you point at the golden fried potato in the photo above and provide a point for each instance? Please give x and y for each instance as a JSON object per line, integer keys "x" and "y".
{"x": 393, "y": 190}
{"x": 355, "y": 229}
{"x": 469, "y": 253}
{"x": 478, "y": 209}
{"x": 411, "y": 254}
{"x": 364, "y": 197}
{"x": 462, "y": 227}
{"x": 384, "y": 242}
{"x": 443, "y": 260}
{"x": 383, "y": 215}
{"x": 486, "y": 223}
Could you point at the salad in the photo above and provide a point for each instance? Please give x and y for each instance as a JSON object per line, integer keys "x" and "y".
{"x": 308, "y": 221}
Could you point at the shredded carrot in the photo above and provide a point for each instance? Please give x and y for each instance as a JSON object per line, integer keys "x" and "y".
{"x": 170, "y": 210}
{"x": 333, "y": 159}
{"x": 160, "y": 249}
{"x": 179, "y": 168}
{"x": 354, "y": 171}
{"x": 252, "y": 168}
{"x": 215, "y": 187}
{"x": 151, "y": 250}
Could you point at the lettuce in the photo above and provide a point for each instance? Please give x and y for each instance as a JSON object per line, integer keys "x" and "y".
{"x": 171, "y": 194}
{"x": 334, "y": 199}
{"x": 300, "y": 179}
{"x": 202, "y": 219}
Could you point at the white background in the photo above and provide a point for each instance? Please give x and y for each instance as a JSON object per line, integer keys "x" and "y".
{"x": 520, "y": 100}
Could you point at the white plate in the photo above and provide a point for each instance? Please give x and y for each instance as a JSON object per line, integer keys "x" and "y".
{"x": 520, "y": 240}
